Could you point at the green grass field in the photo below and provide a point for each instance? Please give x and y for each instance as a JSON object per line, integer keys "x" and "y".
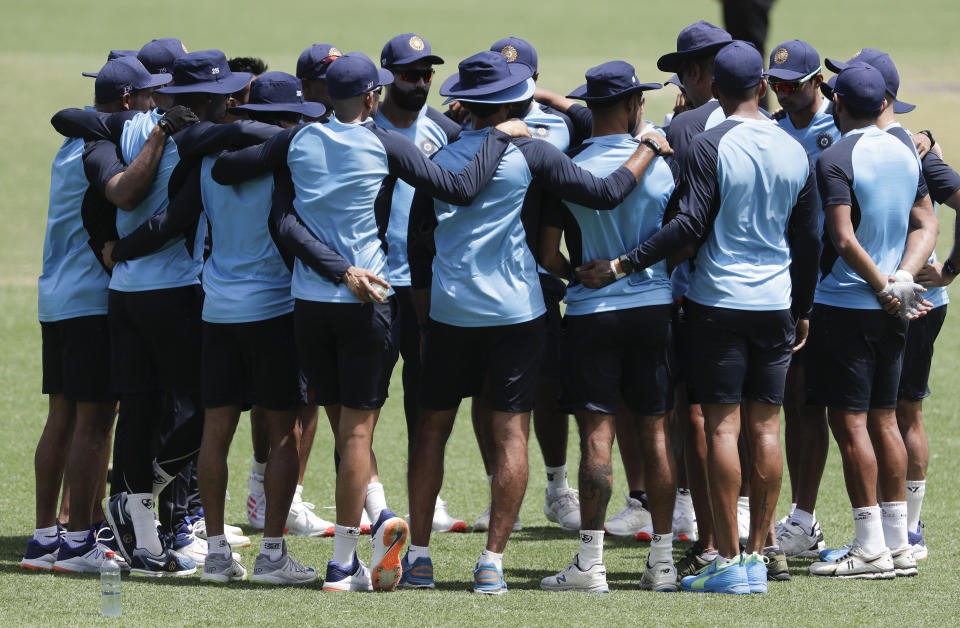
{"x": 45, "y": 44}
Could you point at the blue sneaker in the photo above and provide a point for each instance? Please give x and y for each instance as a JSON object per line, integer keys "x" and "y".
{"x": 716, "y": 578}
{"x": 833, "y": 555}
{"x": 419, "y": 575}
{"x": 915, "y": 540}
{"x": 169, "y": 563}
{"x": 488, "y": 579}
{"x": 86, "y": 558}
{"x": 352, "y": 577}
{"x": 40, "y": 556}
{"x": 115, "y": 507}
{"x": 756, "y": 572}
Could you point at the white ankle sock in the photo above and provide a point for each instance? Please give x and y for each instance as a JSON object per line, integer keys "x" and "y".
{"x": 683, "y": 498}
{"x": 894, "y": 518}
{"x": 298, "y": 494}
{"x": 160, "y": 479}
{"x": 344, "y": 544}
{"x": 803, "y": 519}
{"x": 258, "y": 467}
{"x": 793, "y": 507}
{"x": 491, "y": 557}
{"x": 375, "y": 501}
{"x": 591, "y": 548}
{"x": 869, "y": 529}
{"x": 743, "y": 502}
{"x": 915, "y": 491}
{"x": 722, "y": 560}
{"x": 218, "y": 546}
{"x": 417, "y": 551}
{"x": 140, "y": 509}
{"x": 46, "y": 536}
{"x": 272, "y": 547}
{"x": 76, "y": 539}
{"x": 661, "y": 549}
{"x": 557, "y": 478}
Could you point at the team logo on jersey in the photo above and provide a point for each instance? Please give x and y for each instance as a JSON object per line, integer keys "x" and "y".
{"x": 510, "y": 53}
{"x": 540, "y": 131}
{"x": 824, "y": 140}
{"x": 781, "y": 55}
{"x": 416, "y": 43}
{"x": 334, "y": 52}
{"x": 428, "y": 147}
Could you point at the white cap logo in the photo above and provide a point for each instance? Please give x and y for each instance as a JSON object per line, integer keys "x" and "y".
{"x": 215, "y": 71}
{"x": 370, "y": 85}
{"x": 299, "y": 94}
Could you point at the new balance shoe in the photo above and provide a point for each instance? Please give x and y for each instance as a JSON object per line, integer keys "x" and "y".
{"x": 218, "y": 568}
{"x": 284, "y": 570}
{"x": 796, "y": 542}
{"x": 743, "y": 524}
{"x": 684, "y": 521}
{"x": 302, "y": 521}
{"x": 115, "y": 508}
{"x": 39, "y": 556}
{"x": 777, "y": 568}
{"x": 660, "y": 577}
{"x": 693, "y": 561}
{"x": 904, "y": 562}
{"x": 488, "y": 579}
{"x": 443, "y": 522}
{"x": 86, "y": 558}
{"x": 756, "y": 572}
{"x": 389, "y": 534}
{"x": 419, "y": 575}
{"x": 632, "y": 520}
{"x": 482, "y": 524}
{"x": 857, "y": 564}
{"x": 915, "y": 539}
{"x": 256, "y": 510}
{"x": 574, "y": 578}
{"x": 562, "y": 507}
{"x": 353, "y": 577}
{"x": 168, "y": 563}
{"x": 716, "y": 578}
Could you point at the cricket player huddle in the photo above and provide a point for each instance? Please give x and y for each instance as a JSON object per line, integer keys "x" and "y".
{"x": 223, "y": 238}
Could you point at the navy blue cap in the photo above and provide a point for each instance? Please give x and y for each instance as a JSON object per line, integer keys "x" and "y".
{"x": 354, "y": 74}
{"x": 610, "y": 80}
{"x": 738, "y": 65}
{"x": 697, "y": 40}
{"x": 315, "y": 60}
{"x": 884, "y": 64}
{"x": 793, "y": 60}
{"x": 675, "y": 80}
{"x": 407, "y": 48}
{"x": 826, "y": 87}
{"x": 116, "y": 54}
{"x": 517, "y": 50}
{"x": 279, "y": 91}
{"x": 207, "y": 72}
{"x": 121, "y": 76}
{"x": 861, "y": 86}
{"x": 488, "y": 77}
{"x": 158, "y": 55}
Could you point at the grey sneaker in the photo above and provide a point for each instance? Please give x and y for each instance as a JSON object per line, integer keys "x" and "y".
{"x": 219, "y": 568}
{"x": 659, "y": 577}
{"x": 286, "y": 570}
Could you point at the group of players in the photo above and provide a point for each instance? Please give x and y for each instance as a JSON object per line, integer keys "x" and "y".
{"x": 223, "y": 238}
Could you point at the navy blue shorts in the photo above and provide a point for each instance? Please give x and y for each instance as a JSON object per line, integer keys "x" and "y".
{"x": 854, "y": 358}
{"x": 76, "y": 358}
{"x": 553, "y": 293}
{"x": 252, "y": 363}
{"x": 347, "y": 351}
{"x": 918, "y": 354}
{"x": 155, "y": 339}
{"x": 500, "y": 363}
{"x": 733, "y": 355}
{"x": 621, "y": 353}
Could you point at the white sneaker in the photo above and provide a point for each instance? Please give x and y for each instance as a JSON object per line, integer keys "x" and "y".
{"x": 743, "y": 524}
{"x": 257, "y": 510}
{"x": 572, "y": 578}
{"x": 303, "y": 522}
{"x": 354, "y": 577}
{"x": 443, "y": 522}
{"x": 482, "y": 523}
{"x": 562, "y": 507}
{"x": 857, "y": 564}
{"x": 796, "y": 543}
{"x": 235, "y": 536}
{"x": 632, "y": 520}
{"x": 388, "y": 542}
{"x": 684, "y": 521}
{"x": 192, "y": 547}
{"x": 904, "y": 561}
{"x": 286, "y": 570}
{"x": 661, "y": 577}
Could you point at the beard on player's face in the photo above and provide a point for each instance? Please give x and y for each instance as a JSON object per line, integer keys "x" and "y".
{"x": 412, "y": 99}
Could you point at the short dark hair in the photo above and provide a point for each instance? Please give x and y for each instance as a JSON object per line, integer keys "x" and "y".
{"x": 481, "y": 109}
{"x": 608, "y": 104}
{"x": 739, "y": 95}
{"x": 274, "y": 117}
{"x": 860, "y": 115}
{"x": 254, "y": 65}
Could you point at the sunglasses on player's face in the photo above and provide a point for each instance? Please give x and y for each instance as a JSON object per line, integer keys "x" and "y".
{"x": 412, "y": 76}
{"x": 788, "y": 87}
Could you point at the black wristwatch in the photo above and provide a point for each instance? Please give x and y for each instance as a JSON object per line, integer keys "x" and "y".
{"x": 626, "y": 266}
{"x": 929, "y": 134}
{"x": 652, "y": 144}
{"x": 950, "y": 268}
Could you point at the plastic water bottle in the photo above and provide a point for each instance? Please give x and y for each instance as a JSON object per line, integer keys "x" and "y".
{"x": 110, "y": 587}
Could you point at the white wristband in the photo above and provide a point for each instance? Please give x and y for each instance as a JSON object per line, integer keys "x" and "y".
{"x": 613, "y": 267}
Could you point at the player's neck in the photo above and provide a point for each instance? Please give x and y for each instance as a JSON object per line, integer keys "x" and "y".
{"x": 399, "y": 117}
{"x": 804, "y": 117}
